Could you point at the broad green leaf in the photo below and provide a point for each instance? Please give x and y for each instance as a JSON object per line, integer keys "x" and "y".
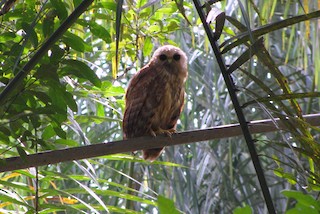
{"x": 114, "y": 91}
{"x": 68, "y": 97}
{"x": 60, "y": 132}
{"x": 76, "y": 2}
{"x": 81, "y": 70}
{"x": 300, "y": 208}
{"x": 166, "y": 206}
{"x": 56, "y": 54}
{"x": 100, "y": 32}
{"x": 56, "y": 95}
{"x": 60, "y": 8}
{"x": 243, "y": 210}
{"x": 100, "y": 110}
{"x": 147, "y": 46}
{"x": 48, "y": 133}
{"x": 304, "y": 199}
{"x": 111, "y": 5}
{"x": 75, "y": 42}
{"x": 154, "y": 28}
{"x": 7, "y": 36}
{"x": 173, "y": 25}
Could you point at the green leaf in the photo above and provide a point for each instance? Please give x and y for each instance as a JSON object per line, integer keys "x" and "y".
{"x": 173, "y": 25}
{"x": 110, "y": 91}
{"x": 60, "y": 8}
{"x": 66, "y": 142}
{"x": 81, "y": 70}
{"x": 60, "y": 132}
{"x": 12, "y": 200}
{"x": 56, "y": 54}
{"x": 77, "y": 2}
{"x": 109, "y": 5}
{"x": 95, "y": 119}
{"x": 75, "y": 42}
{"x": 68, "y": 97}
{"x": 100, "y": 110}
{"x": 31, "y": 33}
{"x": 45, "y": 145}
{"x": 147, "y": 46}
{"x": 48, "y": 132}
{"x": 299, "y": 209}
{"x": 154, "y": 28}
{"x": 7, "y": 36}
{"x": 22, "y": 152}
{"x": 302, "y": 199}
{"x": 56, "y": 94}
{"x": 166, "y": 206}
{"x": 290, "y": 177}
{"x": 100, "y": 32}
{"x": 242, "y": 210}
{"x": 48, "y": 24}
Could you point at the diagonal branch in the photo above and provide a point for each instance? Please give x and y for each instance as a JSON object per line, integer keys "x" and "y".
{"x": 242, "y": 120}
{"x": 90, "y": 151}
{"x": 15, "y": 83}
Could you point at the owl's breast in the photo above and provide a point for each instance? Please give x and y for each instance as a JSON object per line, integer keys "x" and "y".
{"x": 171, "y": 95}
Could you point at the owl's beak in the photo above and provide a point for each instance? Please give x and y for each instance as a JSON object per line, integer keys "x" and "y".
{"x": 169, "y": 60}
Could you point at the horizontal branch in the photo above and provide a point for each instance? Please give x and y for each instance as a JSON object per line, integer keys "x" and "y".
{"x": 91, "y": 151}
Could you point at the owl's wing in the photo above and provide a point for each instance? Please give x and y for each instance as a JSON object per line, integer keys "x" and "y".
{"x": 141, "y": 101}
{"x": 176, "y": 109}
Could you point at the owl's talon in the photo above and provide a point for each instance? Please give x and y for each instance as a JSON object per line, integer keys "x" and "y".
{"x": 167, "y": 132}
{"x": 153, "y": 134}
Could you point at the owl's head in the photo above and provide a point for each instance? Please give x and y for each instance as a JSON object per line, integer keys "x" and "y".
{"x": 171, "y": 57}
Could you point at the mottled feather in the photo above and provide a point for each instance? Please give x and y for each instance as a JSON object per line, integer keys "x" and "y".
{"x": 155, "y": 97}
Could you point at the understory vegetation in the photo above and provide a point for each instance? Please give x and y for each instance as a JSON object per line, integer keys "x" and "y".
{"x": 72, "y": 95}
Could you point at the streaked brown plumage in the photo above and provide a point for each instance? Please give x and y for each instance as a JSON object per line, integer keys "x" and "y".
{"x": 155, "y": 97}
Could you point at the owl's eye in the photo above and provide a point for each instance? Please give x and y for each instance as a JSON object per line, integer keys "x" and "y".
{"x": 176, "y": 57}
{"x": 162, "y": 57}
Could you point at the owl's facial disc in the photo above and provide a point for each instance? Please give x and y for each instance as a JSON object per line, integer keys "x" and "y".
{"x": 176, "y": 57}
{"x": 163, "y": 57}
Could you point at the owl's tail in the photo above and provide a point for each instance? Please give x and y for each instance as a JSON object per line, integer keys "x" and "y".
{"x": 152, "y": 154}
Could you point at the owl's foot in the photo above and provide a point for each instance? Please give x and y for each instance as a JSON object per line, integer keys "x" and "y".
{"x": 168, "y": 132}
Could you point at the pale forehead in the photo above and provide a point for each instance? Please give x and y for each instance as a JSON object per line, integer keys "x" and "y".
{"x": 168, "y": 50}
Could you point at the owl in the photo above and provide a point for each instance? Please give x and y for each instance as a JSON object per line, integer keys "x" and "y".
{"x": 155, "y": 97}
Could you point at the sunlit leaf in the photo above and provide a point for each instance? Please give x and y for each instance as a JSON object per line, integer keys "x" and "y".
{"x": 66, "y": 142}
{"x": 166, "y": 206}
{"x": 147, "y": 46}
{"x": 243, "y": 210}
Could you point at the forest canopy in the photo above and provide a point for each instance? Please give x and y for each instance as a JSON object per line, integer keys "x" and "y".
{"x": 65, "y": 67}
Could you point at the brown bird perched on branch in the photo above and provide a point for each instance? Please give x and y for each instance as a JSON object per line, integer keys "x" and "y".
{"x": 155, "y": 97}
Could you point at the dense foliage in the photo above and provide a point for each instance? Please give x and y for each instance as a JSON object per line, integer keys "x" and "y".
{"x": 74, "y": 97}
